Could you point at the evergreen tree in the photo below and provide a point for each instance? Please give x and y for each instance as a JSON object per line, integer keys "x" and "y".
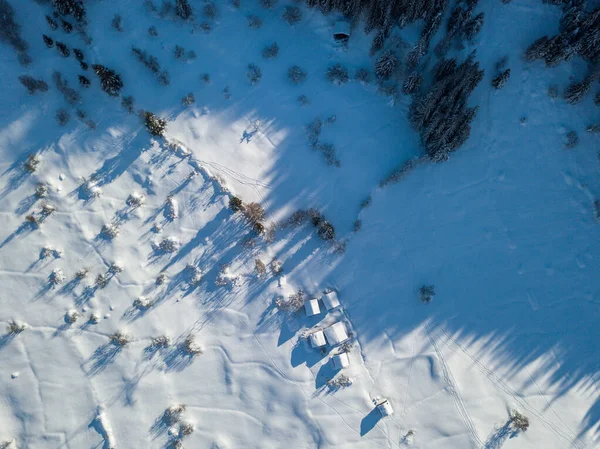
{"x": 32, "y": 84}
{"x": 576, "y": 91}
{"x": 155, "y": 125}
{"x": 412, "y": 83}
{"x": 52, "y": 23}
{"x": 378, "y": 42}
{"x": 183, "y": 9}
{"x": 84, "y": 81}
{"x": 110, "y": 80}
{"x": 63, "y": 49}
{"x": 48, "y": 41}
{"x": 70, "y": 8}
{"x": 499, "y": 81}
{"x": 386, "y": 65}
{"x": 78, "y": 54}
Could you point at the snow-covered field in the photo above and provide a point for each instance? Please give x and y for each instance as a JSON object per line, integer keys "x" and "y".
{"x": 505, "y": 230}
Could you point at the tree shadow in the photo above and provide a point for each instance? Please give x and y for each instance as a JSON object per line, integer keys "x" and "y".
{"x": 25, "y": 227}
{"x": 303, "y": 353}
{"x": 326, "y": 373}
{"x": 102, "y": 358}
{"x": 497, "y": 439}
{"x": 6, "y": 339}
{"x": 25, "y": 204}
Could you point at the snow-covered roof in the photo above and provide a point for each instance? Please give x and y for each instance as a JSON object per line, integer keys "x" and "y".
{"x": 317, "y": 339}
{"x": 385, "y": 408}
{"x": 340, "y": 360}
{"x": 331, "y": 300}
{"x": 336, "y": 333}
{"x": 312, "y": 307}
{"x": 341, "y": 30}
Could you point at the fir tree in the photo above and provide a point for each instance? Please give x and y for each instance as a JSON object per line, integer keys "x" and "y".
{"x": 52, "y": 23}
{"x": 85, "y": 82}
{"x": 386, "y": 65}
{"x": 48, "y": 41}
{"x": 78, "y": 54}
{"x": 499, "y": 81}
{"x": 110, "y": 80}
{"x": 63, "y": 49}
{"x": 70, "y": 7}
{"x": 576, "y": 91}
{"x": 155, "y": 125}
{"x": 32, "y": 84}
{"x": 183, "y": 9}
{"x": 412, "y": 83}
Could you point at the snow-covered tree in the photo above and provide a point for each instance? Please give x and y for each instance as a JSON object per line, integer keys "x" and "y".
{"x": 155, "y": 125}
{"x": 183, "y": 9}
{"x": 386, "y": 64}
{"x": 577, "y": 91}
{"x": 499, "y": 81}
{"x": 110, "y": 80}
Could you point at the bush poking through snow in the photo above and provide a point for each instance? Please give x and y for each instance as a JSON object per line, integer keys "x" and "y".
{"x": 162, "y": 341}
{"x": 15, "y": 327}
{"x": 142, "y": 303}
{"x": 292, "y": 304}
{"x": 499, "y": 81}
{"x": 303, "y": 100}
{"x": 276, "y": 267}
{"x": 117, "y": 23}
{"x": 254, "y": 74}
{"x": 340, "y": 381}
{"x": 185, "y": 429}
{"x": 254, "y": 212}
{"x": 337, "y": 74}
{"x": 169, "y": 245}
{"x": 363, "y": 75}
{"x": 110, "y": 231}
{"x": 47, "y": 209}
{"x": 171, "y": 209}
{"x": 225, "y": 277}
{"x": 190, "y": 346}
{"x": 94, "y": 318}
{"x": 268, "y": 4}
{"x": 155, "y": 125}
{"x": 235, "y": 204}
{"x": 80, "y": 274}
{"x": 292, "y": 15}
{"x": 56, "y": 277}
{"x": 8, "y": 444}
{"x": 32, "y": 163}
{"x": 152, "y": 31}
{"x": 195, "y": 275}
{"x": 115, "y": 268}
{"x": 120, "y": 338}
{"x": 172, "y": 415}
{"x": 260, "y": 268}
{"x": 128, "y": 103}
{"x": 518, "y": 421}
{"x": 62, "y": 116}
{"x": 296, "y": 75}
{"x": 426, "y": 293}
{"x": 32, "y": 85}
{"x": 571, "y": 140}
{"x": 41, "y": 190}
{"x": 188, "y": 100}
{"x": 271, "y": 51}
{"x": 72, "y": 316}
{"x": 135, "y": 200}
{"x": 255, "y": 22}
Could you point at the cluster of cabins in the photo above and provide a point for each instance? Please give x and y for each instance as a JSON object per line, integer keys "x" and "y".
{"x": 334, "y": 334}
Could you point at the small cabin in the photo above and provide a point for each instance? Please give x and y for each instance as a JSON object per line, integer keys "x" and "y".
{"x": 336, "y": 333}
{"x": 312, "y": 307}
{"x": 340, "y": 361}
{"x": 341, "y": 30}
{"x": 331, "y": 300}
{"x": 317, "y": 339}
{"x": 385, "y": 408}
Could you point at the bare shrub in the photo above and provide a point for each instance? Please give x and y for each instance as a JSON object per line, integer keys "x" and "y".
{"x": 82, "y": 273}
{"x": 553, "y": 91}
{"x": 62, "y": 116}
{"x": 72, "y": 316}
{"x": 518, "y": 421}
{"x": 260, "y": 268}
{"x": 292, "y": 304}
{"x": 571, "y": 140}
{"x": 189, "y": 345}
{"x": 56, "y": 277}
{"x": 172, "y": 415}
{"x": 426, "y": 293}
{"x": 254, "y": 74}
{"x": 276, "y": 267}
{"x": 271, "y": 51}
{"x": 303, "y": 100}
{"x": 128, "y": 103}
{"x": 363, "y": 75}
{"x": 15, "y": 327}
{"x": 117, "y": 23}
{"x": 337, "y": 74}
{"x": 32, "y": 163}
{"x": 296, "y": 75}
{"x": 169, "y": 245}
{"x": 142, "y": 303}
{"x": 152, "y": 31}
{"x": 188, "y": 100}
{"x": 32, "y": 85}
{"x": 340, "y": 381}
{"x": 135, "y": 200}
{"x": 120, "y": 338}
{"x": 254, "y": 212}
{"x": 161, "y": 279}
{"x": 94, "y": 318}
{"x": 162, "y": 341}
{"x": 255, "y": 22}
{"x": 110, "y": 231}
{"x": 292, "y": 15}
